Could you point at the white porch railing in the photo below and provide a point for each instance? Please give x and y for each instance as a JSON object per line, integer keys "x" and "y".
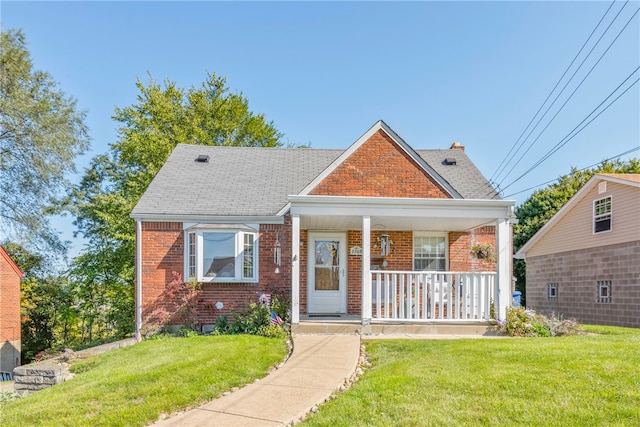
{"x": 432, "y": 295}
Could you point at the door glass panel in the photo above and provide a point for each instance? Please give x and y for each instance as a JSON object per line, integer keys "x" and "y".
{"x": 327, "y": 268}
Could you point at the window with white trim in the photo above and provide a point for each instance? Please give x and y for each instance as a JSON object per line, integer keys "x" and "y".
{"x": 430, "y": 252}
{"x": 602, "y": 215}
{"x": 221, "y": 254}
{"x": 552, "y": 291}
{"x": 604, "y": 291}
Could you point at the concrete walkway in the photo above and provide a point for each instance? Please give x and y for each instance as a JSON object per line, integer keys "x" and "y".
{"x": 318, "y": 366}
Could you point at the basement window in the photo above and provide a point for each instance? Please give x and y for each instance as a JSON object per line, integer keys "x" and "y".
{"x": 602, "y": 215}
{"x": 604, "y": 291}
{"x": 222, "y": 254}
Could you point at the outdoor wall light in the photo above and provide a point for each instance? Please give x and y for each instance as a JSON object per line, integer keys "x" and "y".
{"x": 385, "y": 244}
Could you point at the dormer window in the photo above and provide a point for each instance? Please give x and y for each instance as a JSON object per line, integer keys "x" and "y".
{"x": 602, "y": 215}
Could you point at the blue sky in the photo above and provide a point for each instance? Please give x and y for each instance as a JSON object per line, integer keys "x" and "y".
{"x": 324, "y": 72}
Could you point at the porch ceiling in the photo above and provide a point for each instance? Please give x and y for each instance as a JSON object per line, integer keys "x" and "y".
{"x": 344, "y": 222}
{"x": 345, "y": 213}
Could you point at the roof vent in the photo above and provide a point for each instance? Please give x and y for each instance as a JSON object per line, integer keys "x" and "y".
{"x": 202, "y": 158}
{"x": 449, "y": 161}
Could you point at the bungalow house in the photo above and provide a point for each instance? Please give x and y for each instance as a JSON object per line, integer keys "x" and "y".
{"x": 379, "y": 231}
{"x": 585, "y": 261}
{"x": 10, "y": 337}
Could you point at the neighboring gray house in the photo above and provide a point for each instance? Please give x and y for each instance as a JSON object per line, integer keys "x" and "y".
{"x": 585, "y": 262}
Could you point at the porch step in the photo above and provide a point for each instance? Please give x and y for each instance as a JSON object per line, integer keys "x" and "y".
{"x": 327, "y": 328}
{"x": 352, "y": 327}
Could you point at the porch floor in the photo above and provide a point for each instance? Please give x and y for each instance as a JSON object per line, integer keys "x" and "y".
{"x": 353, "y": 325}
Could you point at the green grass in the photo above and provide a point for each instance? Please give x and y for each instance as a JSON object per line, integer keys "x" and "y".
{"x": 134, "y": 385}
{"x": 565, "y": 381}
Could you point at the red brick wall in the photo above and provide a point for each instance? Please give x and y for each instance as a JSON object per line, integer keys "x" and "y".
{"x": 379, "y": 168}
{"x": 10, "y": 338}
{"x": 461, "y": 257}
{"x": 163, "y": 253}
{"x": 9, "y": 302}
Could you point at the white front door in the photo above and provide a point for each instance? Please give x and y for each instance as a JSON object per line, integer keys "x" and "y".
{"x": 327, "y": 273}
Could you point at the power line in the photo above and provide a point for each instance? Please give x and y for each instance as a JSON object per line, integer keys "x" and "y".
{"x": 569, "y": 137}
{"x": 497, "y": 172}
{"x": 572, "y": 93}
{"x": 579, "y": 170}
{"x": 571, "y": 134}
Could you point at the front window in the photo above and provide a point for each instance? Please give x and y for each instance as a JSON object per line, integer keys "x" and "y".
{"x": 429, "y": 252}
{"x": 219, "y": 255}
{"x": 602, "y": 215}
{"x": 192, "y": 255}
{"x": 222, "y": 255}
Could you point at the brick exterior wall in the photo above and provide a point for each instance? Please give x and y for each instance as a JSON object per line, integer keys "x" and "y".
{"x": 10, "y": 337}
{"x": 401, "y": 176}
{"x": 576, "y": 274}
{"x": 163, "y": 254}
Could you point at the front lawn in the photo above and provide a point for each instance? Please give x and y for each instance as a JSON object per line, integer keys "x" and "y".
{"x": 134, "y": 385}
{"x": 563, "y": 381}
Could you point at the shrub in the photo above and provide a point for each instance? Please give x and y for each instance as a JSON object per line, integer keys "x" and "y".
{"x": 251, "y": 319}
{"x": 178, "y": 303}
{"x": 521, "y": 322}
{"x": 187, "y": 332}
{"x": 8, "y": 396}
{"x": 256, "y": 319}
{"x": 221, "y": 327}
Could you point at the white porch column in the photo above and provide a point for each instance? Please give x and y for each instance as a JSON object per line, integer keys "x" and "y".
{"x": 366, "y": 273}
{"x": 503, "y": 267}
{"x": 295, "y": 269}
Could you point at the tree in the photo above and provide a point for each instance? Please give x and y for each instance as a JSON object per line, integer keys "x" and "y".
{"x": 41, "y": 133}
{"x": 163, "y": 117}
{"x": 543, "y": 204}
{"x": 47, "y": 309}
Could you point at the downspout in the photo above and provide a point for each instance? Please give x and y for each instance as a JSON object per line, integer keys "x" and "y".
{"x": 138, "y": 280}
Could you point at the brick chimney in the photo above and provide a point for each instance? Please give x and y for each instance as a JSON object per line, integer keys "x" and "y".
{"x": 456, "y": 146}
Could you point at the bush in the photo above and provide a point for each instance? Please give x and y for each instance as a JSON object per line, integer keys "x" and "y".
{"x": 521, "y": 322}
{"x": 221, "y": 327}
{"x": 187, "y": 332}
{"x": 8, "y": 396}
{"x": 255, "y": 319}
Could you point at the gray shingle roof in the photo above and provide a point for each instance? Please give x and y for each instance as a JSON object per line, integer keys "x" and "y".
{"x": 464, "y": 176}
{"x": 249, "y": 181}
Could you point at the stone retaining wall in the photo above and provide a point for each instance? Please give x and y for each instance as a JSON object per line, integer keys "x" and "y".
{"x": 37, "y": 377}
{"x": 55, "y": 371}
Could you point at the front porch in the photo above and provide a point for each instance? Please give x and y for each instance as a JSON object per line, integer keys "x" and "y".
{"x": 388, "y": 296}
